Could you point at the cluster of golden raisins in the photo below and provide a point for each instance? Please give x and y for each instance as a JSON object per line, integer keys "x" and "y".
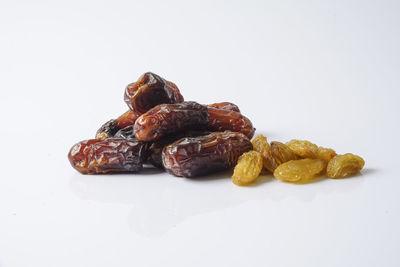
{"x": 297, "y": 161}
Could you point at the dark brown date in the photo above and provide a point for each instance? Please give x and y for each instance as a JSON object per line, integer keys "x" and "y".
{"x": 110, "y": 128}
{"x": 166, "y": 119}
{"x": 225, "y": 105}
{"x": 149, "y": 91}
{"x": 127, "y": 133}
{"x": 156, "y": 148}
{"x": 96, "y": 156}
{"x": 194, "y": 156}
{"x": 224, "y": 119}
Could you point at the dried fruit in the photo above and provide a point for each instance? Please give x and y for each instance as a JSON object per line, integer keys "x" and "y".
{"x": 300, "y": 171}
{"x": 194, "y": 156}
{"x": 223, "y": 119}
{"x": 261, "y": 145}
{"x": 248, "y": 168}
{"x": 128, "y": 133}
{"x": 303, "y": 148}
{"x": 325, "y": 153}
{"x": 149, "y": 91}
{"x": 97, "y": 156}
{"x": 167, "y": 119}
{"x": 282, "y": 153}
{"x": 156, "y": 148}
{"x": 111, "y": 127}
{"x": 344, "y": 165}
{"x": 225, "y": 105}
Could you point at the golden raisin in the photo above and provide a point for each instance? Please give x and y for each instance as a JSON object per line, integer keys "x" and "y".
{"x": 248, "y": 168}
{"x": 282, "y": 153}
{"x": 325, "y": 153}
{"x": 303, "y": 148}
{"x": 300, "y": 171}
{"x": 344, "y": 165}
{"x": 261, "y": 145}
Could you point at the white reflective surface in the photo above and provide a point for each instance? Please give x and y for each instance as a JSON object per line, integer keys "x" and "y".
{"x": 323, "y": 71}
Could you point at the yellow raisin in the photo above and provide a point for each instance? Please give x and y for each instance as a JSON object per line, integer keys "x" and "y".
{"x": 282, "y": 153}
{"x": 260, "y": 144}
{"x": 303, "y": 148}
{"x": 344, "y": 165}
{"x": 248, "y": 168}
{"x": 325, "y": 153}
{"x": 300, "y": 171}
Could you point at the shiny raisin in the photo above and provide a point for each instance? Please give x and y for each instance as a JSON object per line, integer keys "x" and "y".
{"x": 194, "y": 156}
{"x": 300, "y": 171}
{"x": 167, "y": 119}
{"x": 282, "y": 153}
{"x": 344, "y": 165}
{"x": 149, "y": 91}
{"x": 261, "y": 145}
{"x": 248, "y": 168}
{"x": 109, "y": 155}
{"x": 303, "y": 148}
{"x": 225, "y": 105}
{"x": 224, "y": 119}
{"x": 325, "y": 153}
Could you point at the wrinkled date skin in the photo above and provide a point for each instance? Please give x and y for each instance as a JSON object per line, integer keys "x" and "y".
{"x": 225, "y": 119}
{"x": 167, "y": 119}
{"x": 149, "y": 91}
{"x": 110, "y": 128}
{"x": 127, "y": 133}
{"x": 156, "y": 148}
{"x": 195, "y": 156}
{"x": 225, "y": 105}
{"x": 97, "y": 156}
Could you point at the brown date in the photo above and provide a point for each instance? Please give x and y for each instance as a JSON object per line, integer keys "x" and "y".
{"x": 223, "y": 119}
{"x": 166, "y": 119}
{"x": 156, "y": 148}
{"x": 194, "y": 156}
{"x": 96, "y": 156}
{"x": 225, "y": 105}
{"x": 110, "y": 128}
{"x": 149, "y": 91}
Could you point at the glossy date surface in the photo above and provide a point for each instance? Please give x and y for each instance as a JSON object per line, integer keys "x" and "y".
{"x": 97, "y": 156}
{"x": 195, "y": 156}
{"x": 149, "y": 91}
{"x": 111, "y": 127}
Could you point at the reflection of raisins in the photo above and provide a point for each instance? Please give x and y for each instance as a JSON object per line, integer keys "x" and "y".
{"x": 155, "y": 150}
{"x": 194, "y": 156}
{"x": 149, "y": 91}
{"x": 225, "y": 105}
{"x": 110, "y": 128}
{"x": 167, "y": 119}
{"x": 109, "y": 155}
{"x": 224, "y": 119}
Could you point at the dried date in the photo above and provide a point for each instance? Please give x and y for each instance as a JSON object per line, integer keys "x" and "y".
{"x": 224, "y": 119}
{"x": 166, "y": 119}
{"x": 126, "y": 133}
{"x": 111, "y": 127}
{"x": 149, "y": 91}
{"x": 97, "y": 156}
{"x": 195, "y": 156}
{"x": 225, "y": 105}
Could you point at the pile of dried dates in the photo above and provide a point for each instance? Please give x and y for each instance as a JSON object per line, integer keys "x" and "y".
{"x": 190, "y": 139}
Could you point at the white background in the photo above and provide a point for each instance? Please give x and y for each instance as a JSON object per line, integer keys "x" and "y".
{"x": 327, "y": 71}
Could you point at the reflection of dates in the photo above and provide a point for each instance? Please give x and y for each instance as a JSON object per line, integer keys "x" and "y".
{"x": 155, "y": 150}
{"x": 97, "y": 156}
{"x": 149, "y": 91}
{"x": 225, "y": 119}
{"x": 225, "y": 105}
{"x": 201, "y": 155}
{"x": 167, "y": 119}
{"x": 110, "y": 128}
